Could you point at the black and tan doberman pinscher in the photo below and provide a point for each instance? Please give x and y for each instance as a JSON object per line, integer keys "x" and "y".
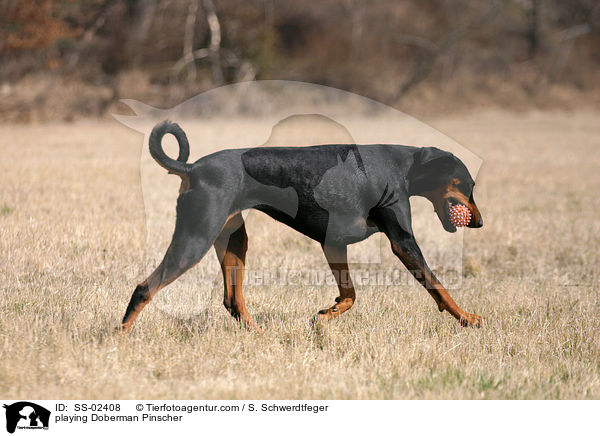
{"x": 336, "y": 194}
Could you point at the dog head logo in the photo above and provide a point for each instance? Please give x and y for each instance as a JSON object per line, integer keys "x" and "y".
{"x": 26, "y": 415}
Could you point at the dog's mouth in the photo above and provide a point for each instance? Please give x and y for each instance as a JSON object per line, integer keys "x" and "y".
{"x": 473, "y": 221}
{"x": 450, "y": 219}
{"x": 449, "y": 203}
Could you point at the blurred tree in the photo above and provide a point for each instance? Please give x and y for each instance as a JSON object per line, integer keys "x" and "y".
{"x": 379, "y": 48}
{"x": 28, "y": 25}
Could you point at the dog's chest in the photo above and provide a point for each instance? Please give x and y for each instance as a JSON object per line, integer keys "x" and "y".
{"x": 347, "y": 229}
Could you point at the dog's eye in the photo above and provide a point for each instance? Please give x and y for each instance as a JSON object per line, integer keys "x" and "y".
{"x": 455, "y": 182}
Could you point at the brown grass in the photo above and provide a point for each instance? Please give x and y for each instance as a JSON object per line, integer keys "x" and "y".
{"x": 72, "y": 248}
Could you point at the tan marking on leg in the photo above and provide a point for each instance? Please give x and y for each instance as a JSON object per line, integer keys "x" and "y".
{"x": 338, "y": 262}
{"x": 231, "y": 247}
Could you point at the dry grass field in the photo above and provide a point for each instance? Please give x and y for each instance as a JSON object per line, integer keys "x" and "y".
{"x": 73, "y": 233}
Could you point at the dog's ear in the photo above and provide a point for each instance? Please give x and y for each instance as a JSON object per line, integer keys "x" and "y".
{"x": 430, "y": 169}
{"x": 428, "y": 154}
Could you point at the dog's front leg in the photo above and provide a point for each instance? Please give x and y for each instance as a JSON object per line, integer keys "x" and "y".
{"x": 409, "y": 253}
{"x": 405, "y": 247}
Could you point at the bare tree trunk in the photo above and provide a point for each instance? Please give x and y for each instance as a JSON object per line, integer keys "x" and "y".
{"x": 213, "y": 52}
{"x": 533, "y": 28}
{"x": 188, "y": 40}
{"x": 357, "y": 11}
{"x": 88, "y": 36}
{"x": 146, "y": 11}
{"x": 215, "y": 41}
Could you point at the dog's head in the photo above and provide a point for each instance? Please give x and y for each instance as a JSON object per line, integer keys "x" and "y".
{"x": 444, "y": 180}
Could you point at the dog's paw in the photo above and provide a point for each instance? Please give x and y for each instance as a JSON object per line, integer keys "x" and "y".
{"x": 121, "y": 329}
{"x": 327, "y": 314}
{"x": 254, "y": 327}
{"x": 341, "y": 305}
{"x": 471, "y": 320}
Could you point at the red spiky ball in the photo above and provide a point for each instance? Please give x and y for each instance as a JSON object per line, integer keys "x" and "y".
{"x": 460, "y": 215}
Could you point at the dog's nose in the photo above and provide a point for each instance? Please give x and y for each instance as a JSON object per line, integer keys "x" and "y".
{"x": 475, "y": 224}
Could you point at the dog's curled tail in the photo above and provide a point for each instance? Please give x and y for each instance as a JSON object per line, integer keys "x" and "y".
{"x": 179, "y": 166}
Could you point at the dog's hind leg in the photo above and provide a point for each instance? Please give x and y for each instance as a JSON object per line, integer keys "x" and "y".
{"x": 337, "y": 258}
{"x": 231, "y": 246}
{"x": 195, "y": 232}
